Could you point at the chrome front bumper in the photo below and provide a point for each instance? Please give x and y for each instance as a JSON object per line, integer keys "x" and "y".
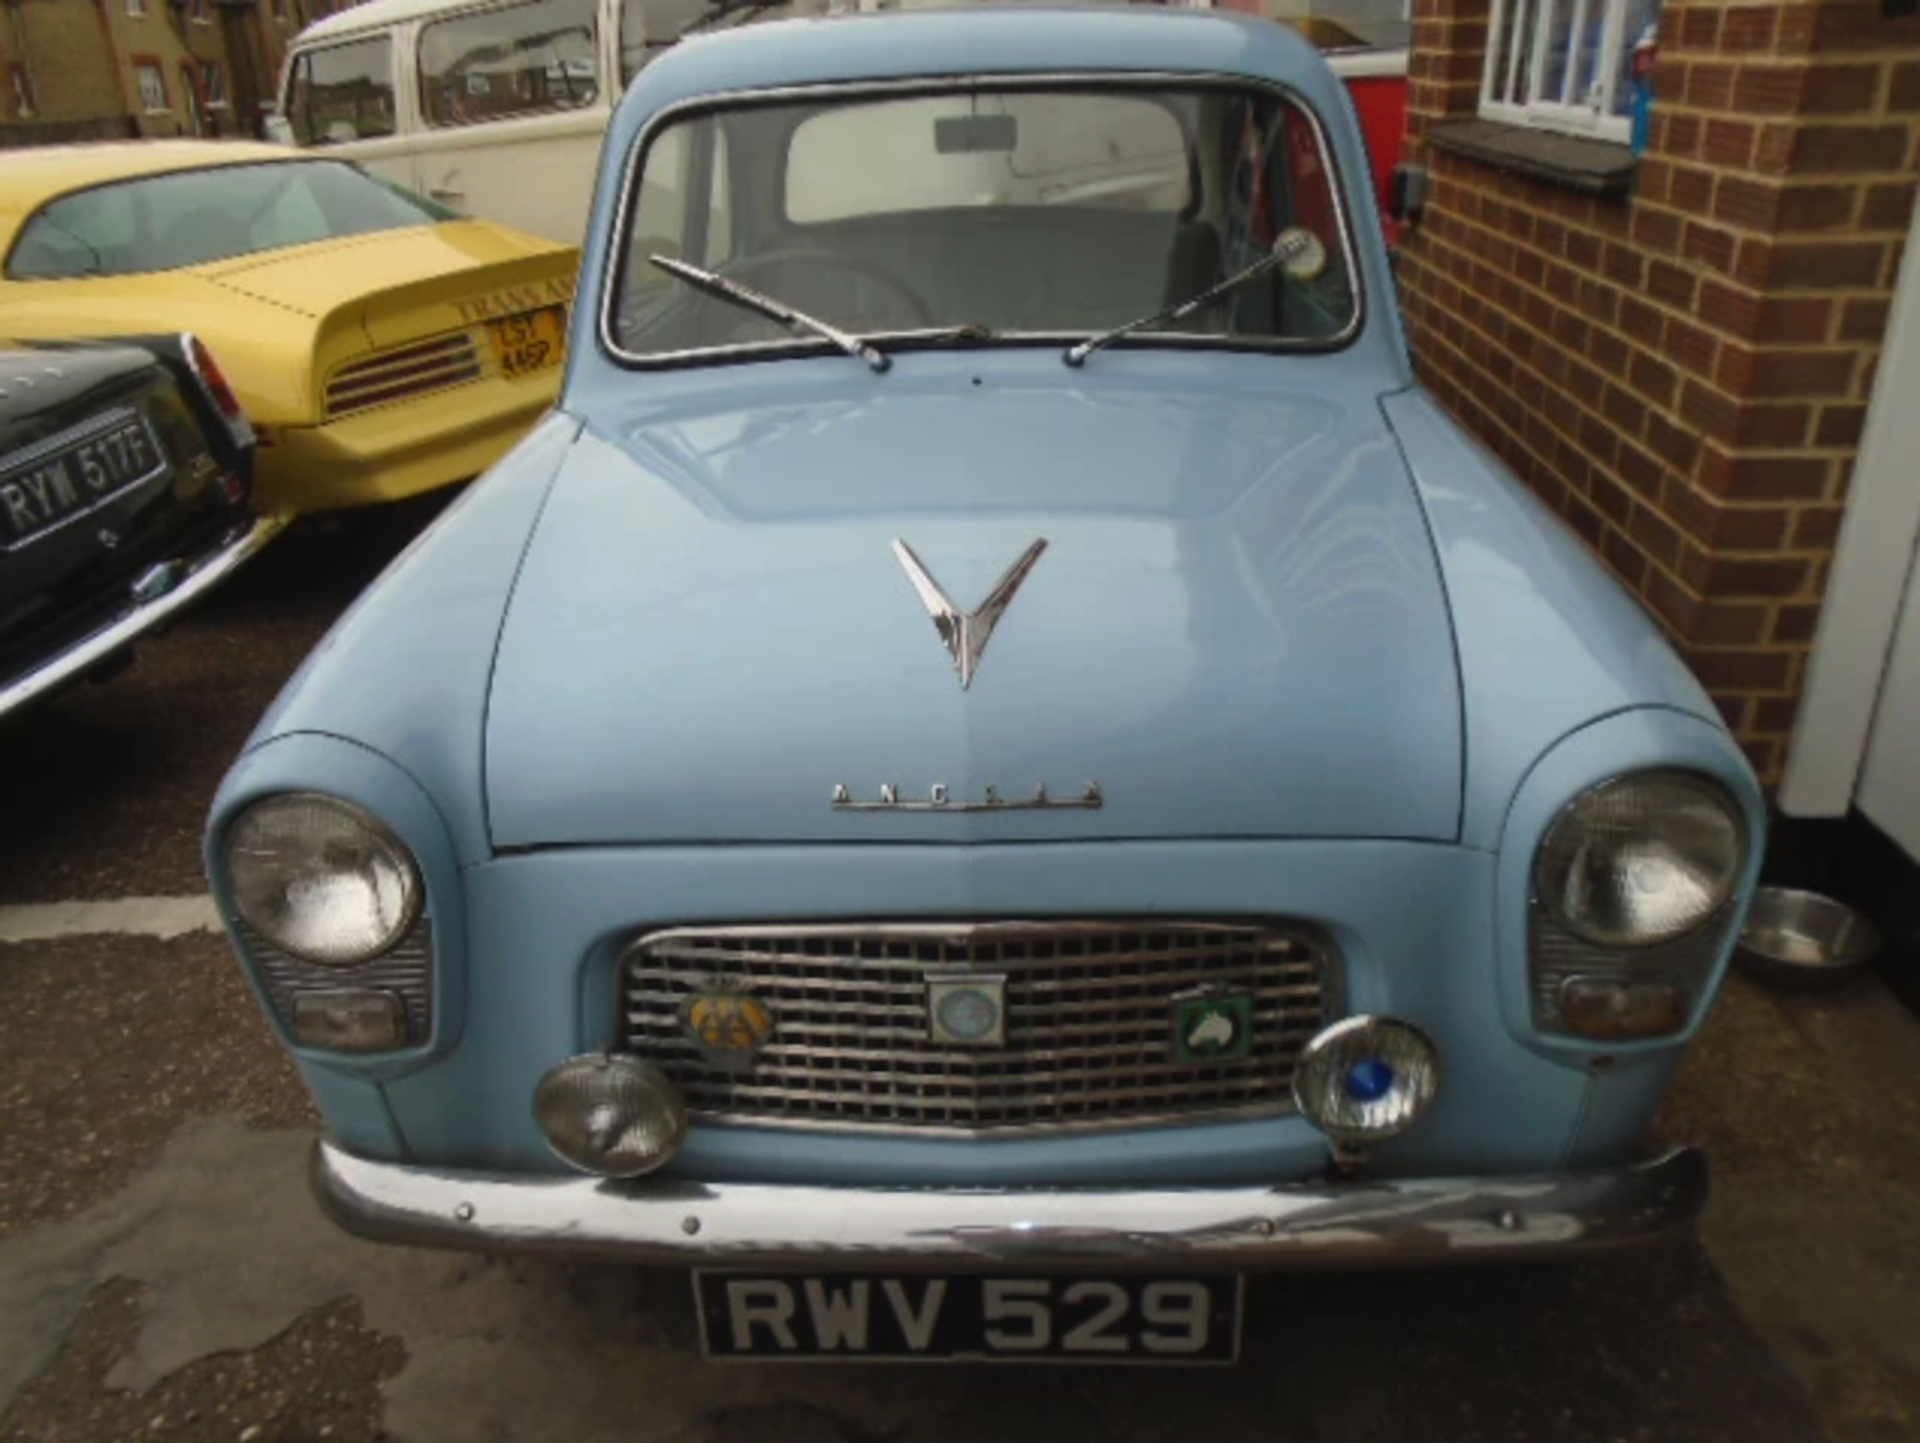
{"x": 1400, "y": 1223}
{"x": 142, "y": 616}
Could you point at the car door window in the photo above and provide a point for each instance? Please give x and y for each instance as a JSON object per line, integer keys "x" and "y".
{"x": 513, "y": 60}
{"x": 663, "y": 224}
{"x": 90, "y": 232}
{"x": 341, "y": 93}
{"x": 192, "y": 217}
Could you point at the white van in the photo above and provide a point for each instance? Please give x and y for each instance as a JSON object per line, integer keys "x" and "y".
{"x": 496, "y": 110}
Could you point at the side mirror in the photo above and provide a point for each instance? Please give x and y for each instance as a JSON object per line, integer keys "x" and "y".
{"x": 1407, "y": 194}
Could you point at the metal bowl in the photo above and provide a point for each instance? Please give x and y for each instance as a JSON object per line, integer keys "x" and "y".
{"x": 1804, "y": 940}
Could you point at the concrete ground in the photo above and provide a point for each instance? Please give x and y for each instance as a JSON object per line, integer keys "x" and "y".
{"x": 164, "y": 1276}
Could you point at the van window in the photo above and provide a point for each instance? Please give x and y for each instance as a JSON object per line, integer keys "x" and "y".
{"x": 649, "y": 26}
{"x": 342, "y": 92}
{"x": 513, "y": 60}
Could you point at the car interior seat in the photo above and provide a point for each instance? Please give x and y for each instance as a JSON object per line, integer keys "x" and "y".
{"x": 201, "y": 234}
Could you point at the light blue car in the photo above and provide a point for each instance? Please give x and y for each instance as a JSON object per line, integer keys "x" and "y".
{"x": 996, "y": 764}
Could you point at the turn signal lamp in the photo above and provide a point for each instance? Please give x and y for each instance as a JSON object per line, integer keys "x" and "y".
{"x": 348, "y": 1019}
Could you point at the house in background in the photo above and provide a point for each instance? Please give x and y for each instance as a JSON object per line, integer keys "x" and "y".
{"x": 1704, "y": 356}
{"x": 102, "y": 69}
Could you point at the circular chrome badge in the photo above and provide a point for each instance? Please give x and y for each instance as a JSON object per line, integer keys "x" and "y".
{"x": 967, "y": 1014}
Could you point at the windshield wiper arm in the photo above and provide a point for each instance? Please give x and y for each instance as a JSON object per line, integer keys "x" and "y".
{"x": 1291, "y": 245}
{"x": 773, "y": 310}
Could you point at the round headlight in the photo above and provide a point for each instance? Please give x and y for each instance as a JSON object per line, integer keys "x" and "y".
{"x": 1366, "y": 1079}
{"x": 1642, "y": 859}
{"x": 321, "y": 879}
{"x": 611, "y": 1115}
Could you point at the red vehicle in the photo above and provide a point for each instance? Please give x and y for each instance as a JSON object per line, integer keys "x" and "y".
{"x": 1372, "y": 58}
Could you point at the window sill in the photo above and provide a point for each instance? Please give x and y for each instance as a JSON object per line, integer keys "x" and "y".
{"x": 1572, "y": 162}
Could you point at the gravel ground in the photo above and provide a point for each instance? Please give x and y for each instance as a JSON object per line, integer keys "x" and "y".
{"x": 318, "y": 1380}
{"x": 108, "y": 784}
{"x": 107, "y": 1044}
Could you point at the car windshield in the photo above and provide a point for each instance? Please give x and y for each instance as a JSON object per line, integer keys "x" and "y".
{"x": 980, "y": 213}
{"x": 190, "y": 217}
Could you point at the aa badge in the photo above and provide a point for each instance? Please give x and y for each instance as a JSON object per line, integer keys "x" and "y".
{"x": 729, "y": 1028}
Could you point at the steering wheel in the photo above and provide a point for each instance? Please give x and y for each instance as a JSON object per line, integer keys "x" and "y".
{"x": 747, "y": 266}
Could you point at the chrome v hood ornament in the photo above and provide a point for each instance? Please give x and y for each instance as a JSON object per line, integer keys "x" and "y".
{"x": 965, "y": 633}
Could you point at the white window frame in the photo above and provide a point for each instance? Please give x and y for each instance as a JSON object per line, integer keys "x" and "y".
{"x": 213, "y": 85}
{"x": 1590, "y": 115}
{"x": 141, "y": 70}
{"x": 197, "y": 12}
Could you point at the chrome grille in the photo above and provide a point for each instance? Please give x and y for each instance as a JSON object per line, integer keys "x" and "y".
{"x": 1089, "y": 1021}
{"x": 403, "y": 371}
{"x": 406, "y": 970}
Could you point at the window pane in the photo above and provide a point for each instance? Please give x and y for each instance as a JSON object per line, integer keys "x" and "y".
{"x": 1513, "y": 52}
{"x": 649, "y": 26}
{"x": 509, "y": 62}
{"x": 1098, "y": 150}
{"x": 191, "y": 217}
{"x": 153, "y": 88}
{"x": 1013, "y": 210}
{"x": 1561, "y": 47}
{"x": 342, "y": 93}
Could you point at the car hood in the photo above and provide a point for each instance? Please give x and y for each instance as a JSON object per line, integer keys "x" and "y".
{"x": 1236, "y": 627}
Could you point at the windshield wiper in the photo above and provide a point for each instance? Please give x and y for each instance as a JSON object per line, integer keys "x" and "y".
{"x": 1291, "y": 245}
{"x": 773, "y": 310}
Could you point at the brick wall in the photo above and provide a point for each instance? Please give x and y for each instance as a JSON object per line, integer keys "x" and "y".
{"x": 1682, "y": 373}
{"x": 164, "y": 35}
{"x": 62, "y": 45}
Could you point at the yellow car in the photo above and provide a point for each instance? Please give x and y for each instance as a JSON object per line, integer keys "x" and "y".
{"x": 382, "y": 345}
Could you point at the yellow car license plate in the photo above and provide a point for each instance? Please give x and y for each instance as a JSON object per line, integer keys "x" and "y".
{"x": 530, "y": 341}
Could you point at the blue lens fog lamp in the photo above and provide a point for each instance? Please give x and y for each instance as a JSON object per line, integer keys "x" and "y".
{"x": 1366, "y": 1079}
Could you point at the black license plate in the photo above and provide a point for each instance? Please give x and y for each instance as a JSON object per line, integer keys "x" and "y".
{"x": 914, "y": 1319}
{"x": 72, "y": 476}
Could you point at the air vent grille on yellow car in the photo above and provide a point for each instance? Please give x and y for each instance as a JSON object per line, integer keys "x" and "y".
{"x": 403, "y": 371}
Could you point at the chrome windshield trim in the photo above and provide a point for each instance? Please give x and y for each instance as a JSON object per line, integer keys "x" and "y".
{"x": 617, "y": 253}
{"x": 1403, "y": 1222}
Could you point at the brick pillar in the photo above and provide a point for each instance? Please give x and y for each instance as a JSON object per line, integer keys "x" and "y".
{"x": 1682, "y": 372}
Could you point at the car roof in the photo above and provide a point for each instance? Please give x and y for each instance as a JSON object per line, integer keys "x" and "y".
{"x": 31, "y": 176}
{"x": 964, "y": 37}
{"x": 376, "y": 14}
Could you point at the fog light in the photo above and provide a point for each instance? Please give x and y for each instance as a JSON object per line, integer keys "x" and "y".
{"x": 611, "y": 1115}
{"x": 348, "y": 1019}
{"x": 1366, "y": 1079}
{"x": 1615, "y": 1009}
